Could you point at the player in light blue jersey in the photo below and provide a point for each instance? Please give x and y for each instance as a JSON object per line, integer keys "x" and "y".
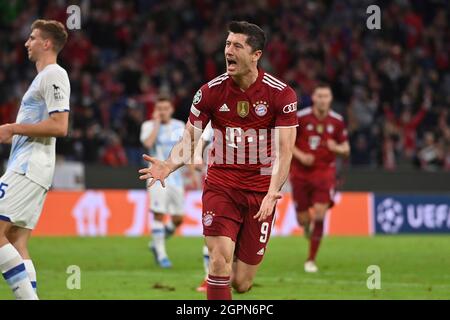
{"x": 159, "y": 135}
{"x": 43, "y": 116}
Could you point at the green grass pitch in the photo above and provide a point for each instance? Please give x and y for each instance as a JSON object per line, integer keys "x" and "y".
{"x": 412, "y": 267}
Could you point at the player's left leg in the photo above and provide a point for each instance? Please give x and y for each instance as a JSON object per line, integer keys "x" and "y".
{"x": 301, "y": 194}
{"x": 158, "y": 244}
{"x": 159, "y": 207}
{"x": 12, "y": 266}
{"x": 20, "y": 205}
{"x": 251, "y": 244}
{"x": 175, "y": 199}
{"x": 243, "y": 275}
{"x": 320, "y": 210}
{"x": 19, "y": 237}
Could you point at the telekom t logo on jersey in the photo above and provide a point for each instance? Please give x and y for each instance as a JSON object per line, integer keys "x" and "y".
{"x": 233, "y": 135}
{"x": 239, "y": 146}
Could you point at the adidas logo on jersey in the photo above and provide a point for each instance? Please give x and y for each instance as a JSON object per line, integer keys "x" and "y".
{"x": 260, "y": 252}
{"x": 224, "y": 108}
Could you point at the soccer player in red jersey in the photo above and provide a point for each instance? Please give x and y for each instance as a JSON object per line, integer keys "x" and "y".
{"x": 321, "y": 136}
{"x": 253, "y": 115}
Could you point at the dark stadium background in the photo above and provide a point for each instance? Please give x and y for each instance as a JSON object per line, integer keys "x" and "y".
{"x": 129, "y": 51}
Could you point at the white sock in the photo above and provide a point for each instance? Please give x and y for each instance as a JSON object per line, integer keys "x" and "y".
{"x": 31, "y": 273}
{"x": 159, "y": 240}
{"x": 13, "y": 270}
{"x": 206, "y": 260}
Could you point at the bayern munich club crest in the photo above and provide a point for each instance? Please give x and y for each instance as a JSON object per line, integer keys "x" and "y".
{"x": 260, "y": 108}
{"x": 208, "y": 218}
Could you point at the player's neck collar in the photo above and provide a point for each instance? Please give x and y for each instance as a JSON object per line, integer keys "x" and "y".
{"x": 255, "y": 83}
{"x": 318, "y": 117}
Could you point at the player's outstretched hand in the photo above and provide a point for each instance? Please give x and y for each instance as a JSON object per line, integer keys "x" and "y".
{"x": 157, "y": 170}
{"x": 267, "y": 206}
{"x": 6, "y": 133}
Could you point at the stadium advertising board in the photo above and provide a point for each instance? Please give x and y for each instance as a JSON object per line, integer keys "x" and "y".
{"x": 125, "y": 212}
{"x": 411, "y": 214}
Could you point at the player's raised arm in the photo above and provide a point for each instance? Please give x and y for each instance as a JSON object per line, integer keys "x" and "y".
{"x": 181, "y": 154}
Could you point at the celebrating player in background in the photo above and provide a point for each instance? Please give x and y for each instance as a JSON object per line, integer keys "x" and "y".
{"x": 159, "y": 135}
{"x": 43, "y": 116}
{"x": 321, "y": 136}
{"x": 254, "y": 121}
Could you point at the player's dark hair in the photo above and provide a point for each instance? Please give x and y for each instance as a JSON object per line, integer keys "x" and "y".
{"x": 256, "y": 37}
{"x": 323, "y": 85}
{"x": 163, "y": 97}
{"x": 54, "y": 30}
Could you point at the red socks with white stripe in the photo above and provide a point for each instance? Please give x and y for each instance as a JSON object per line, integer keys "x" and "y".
{"x": 218, "y": 288}
{"x": 314, "y": 243}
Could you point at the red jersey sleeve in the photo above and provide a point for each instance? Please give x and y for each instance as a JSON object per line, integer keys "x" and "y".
{"x": 200, "y": 113}
{"x": 286, "y": 108}
{"x": 341, "y": 134}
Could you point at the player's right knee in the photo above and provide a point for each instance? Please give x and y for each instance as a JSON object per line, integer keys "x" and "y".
{"x": 219, "y": 264}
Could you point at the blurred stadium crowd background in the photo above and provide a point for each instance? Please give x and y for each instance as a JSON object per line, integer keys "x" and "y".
{"x": 392, "y": 85}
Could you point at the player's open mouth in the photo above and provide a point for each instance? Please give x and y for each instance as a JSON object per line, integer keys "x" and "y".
{"x": 231, "y": 64}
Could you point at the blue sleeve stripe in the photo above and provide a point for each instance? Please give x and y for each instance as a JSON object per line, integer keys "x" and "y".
{"x": 63, "y": 110}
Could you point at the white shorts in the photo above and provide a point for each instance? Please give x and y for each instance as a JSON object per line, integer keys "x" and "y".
{"x": 168, "y": 200}
{"x": 21, "y": 200}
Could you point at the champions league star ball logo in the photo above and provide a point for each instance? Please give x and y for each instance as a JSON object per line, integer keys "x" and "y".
{"x": 197, "y": 97}
{"x": 389, "y": 215}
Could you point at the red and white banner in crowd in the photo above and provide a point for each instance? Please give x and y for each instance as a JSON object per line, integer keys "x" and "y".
{"x": 125, "y": 212}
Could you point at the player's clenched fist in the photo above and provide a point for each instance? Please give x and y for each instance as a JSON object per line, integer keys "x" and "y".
{"x": 6, "y": 133}
{"x": 158, "y": 170}
{"x": 307, "y": 159}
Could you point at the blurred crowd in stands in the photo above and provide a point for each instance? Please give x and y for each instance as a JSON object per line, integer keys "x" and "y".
{"x": 391, "y": 85}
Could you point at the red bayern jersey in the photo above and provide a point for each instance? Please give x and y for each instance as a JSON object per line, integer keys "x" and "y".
{"x": 243, "y": 123}
{"x": 312, "y": 136}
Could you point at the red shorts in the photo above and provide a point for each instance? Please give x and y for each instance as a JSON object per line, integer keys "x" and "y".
{"x": 229, "y": 212}
{"x": 308, "y": 190}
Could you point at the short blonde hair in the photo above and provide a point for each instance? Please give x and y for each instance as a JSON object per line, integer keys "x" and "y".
{"x": 54, "y": 30}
